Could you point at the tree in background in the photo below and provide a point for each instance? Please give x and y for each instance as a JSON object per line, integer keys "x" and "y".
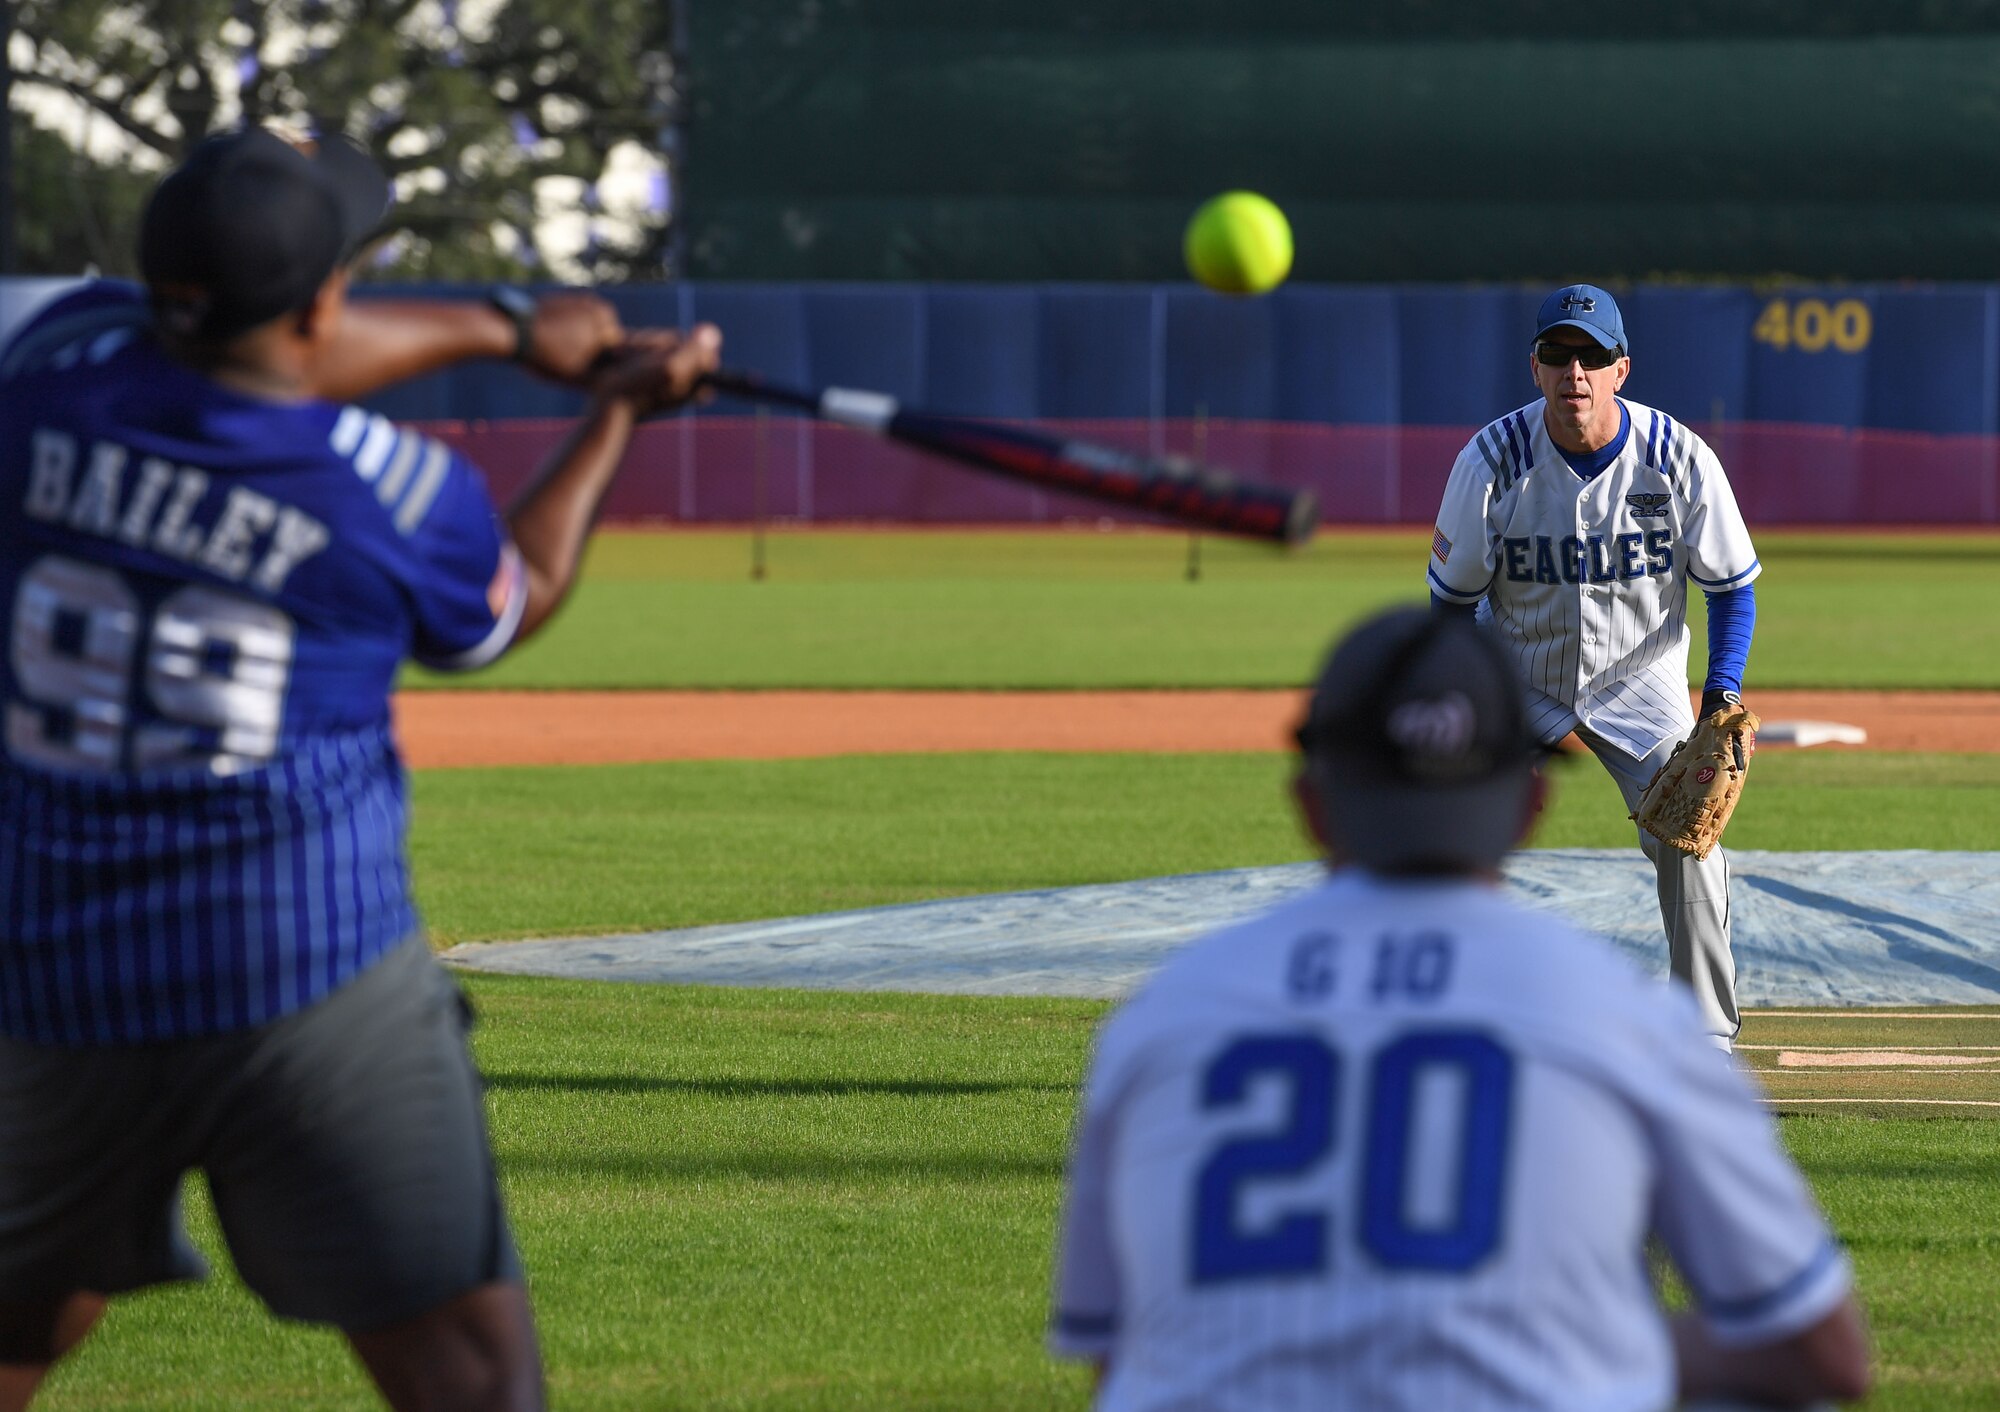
{"x": 527, "y": 137}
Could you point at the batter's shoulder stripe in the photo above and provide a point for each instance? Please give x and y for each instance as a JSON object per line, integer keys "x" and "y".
{"x": 402, "y": 463}
{"x": 378, "y": 444}
{"x": 348, "y": 430}
{"x": 430, "y": 480}
{"x": 406, "y": 469}
{"x": 1454, "y": 595}
{"x": 1652, "y": 454}
{"x": 1718, "y": 585}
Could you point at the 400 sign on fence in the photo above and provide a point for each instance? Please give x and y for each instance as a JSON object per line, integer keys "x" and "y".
{"x": 1813, "y": 325}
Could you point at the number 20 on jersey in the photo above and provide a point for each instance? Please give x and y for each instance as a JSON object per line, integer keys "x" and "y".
{"x": 1393, "y": 1087}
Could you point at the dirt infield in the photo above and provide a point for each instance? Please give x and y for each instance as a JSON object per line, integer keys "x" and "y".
{"x": 457, "y": 728}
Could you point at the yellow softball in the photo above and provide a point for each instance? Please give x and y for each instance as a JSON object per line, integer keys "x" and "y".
{"x": 1239, "y": 243}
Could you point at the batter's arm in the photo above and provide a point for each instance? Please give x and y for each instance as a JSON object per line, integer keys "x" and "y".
{"x": 382, "y": 342}
{"x": 654, "y": 371}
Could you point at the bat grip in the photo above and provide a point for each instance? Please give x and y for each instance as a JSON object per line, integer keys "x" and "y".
{"x": 734, "y": 382}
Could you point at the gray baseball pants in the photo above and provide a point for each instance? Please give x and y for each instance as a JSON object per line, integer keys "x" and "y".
{"x": 1694, "y": 894}
{"x": 345, "y": 1146}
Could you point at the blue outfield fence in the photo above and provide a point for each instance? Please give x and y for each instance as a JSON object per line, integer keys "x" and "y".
{"x": 1829, "y": 405}
{"x": 1923, "y": 359}
{"x": 1850, "y": 405}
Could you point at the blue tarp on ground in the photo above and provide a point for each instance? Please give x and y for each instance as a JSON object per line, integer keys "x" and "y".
{"x": 1864, "y": 928}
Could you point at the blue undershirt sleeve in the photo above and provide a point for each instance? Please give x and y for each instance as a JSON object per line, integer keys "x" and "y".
{"x": 1444, "y": 607}
{"x": 1732, "y": 616}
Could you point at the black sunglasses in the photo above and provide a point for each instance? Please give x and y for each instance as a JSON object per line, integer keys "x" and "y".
{"x": 1558, "y": 355}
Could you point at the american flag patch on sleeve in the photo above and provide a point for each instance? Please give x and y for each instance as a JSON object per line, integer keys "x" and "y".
{"x": 1440, "y": 546}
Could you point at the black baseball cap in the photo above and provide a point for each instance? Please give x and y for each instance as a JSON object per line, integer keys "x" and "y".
{"x": 1417, "y": 734}
{"x": 251, "y": 225}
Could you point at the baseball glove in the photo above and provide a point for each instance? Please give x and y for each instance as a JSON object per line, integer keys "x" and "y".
{"x": 1690, "y": 798}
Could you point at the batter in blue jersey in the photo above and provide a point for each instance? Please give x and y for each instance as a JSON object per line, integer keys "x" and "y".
{"x": 212, "y": 565}
{"x": 202, "y": 641}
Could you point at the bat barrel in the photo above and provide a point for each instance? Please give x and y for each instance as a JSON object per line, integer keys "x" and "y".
{"x": 1173, "y": 487}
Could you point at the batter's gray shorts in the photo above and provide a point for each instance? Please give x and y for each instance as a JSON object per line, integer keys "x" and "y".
{"x": 345, "y": 1147}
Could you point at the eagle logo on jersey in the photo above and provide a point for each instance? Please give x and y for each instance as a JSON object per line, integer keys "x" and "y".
{"x": 1647, "y": 507}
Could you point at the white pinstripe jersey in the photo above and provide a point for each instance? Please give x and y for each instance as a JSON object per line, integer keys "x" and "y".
{"x": 1588, "y": 578}
{"x": 1398, "y": 1145}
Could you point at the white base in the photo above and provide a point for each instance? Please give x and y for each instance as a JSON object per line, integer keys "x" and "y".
{"x": 1810, "y": 733}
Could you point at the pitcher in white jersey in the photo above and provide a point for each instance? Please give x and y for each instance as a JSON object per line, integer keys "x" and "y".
{"x": 1574, "y": 525}
{"x": 1399, "y": 1144}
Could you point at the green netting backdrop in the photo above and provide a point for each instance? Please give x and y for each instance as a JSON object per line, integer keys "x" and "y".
{"x": 1422, "y": 140}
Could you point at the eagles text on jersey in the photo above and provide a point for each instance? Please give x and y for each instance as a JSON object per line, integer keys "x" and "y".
{"x": 1587, "y": 576}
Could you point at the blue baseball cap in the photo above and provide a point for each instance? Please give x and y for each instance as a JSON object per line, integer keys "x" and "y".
{"x": 1586, "y": 307}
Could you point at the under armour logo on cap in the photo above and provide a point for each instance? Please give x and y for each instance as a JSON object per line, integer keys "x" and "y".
{"x": 1417, "y": 741}
{"x": 1443, "y": 726}
{"x": 1587, "y": 308}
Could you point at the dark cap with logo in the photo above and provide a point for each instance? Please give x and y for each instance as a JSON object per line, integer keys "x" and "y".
{"x": 1417, "y": 734}
{"x": 250, "y": 226}
{"x": 1584, "y": 307}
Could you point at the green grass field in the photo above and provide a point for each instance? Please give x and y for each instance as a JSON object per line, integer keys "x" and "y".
{"x": 1066, "y": 609}
{"x": 544, "y": 851}
{"x": 754, "y": 1199}
{"x": 784, "y": 1200}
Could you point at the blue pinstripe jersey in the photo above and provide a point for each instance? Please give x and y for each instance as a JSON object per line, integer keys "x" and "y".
{"x": 206, "y": 599}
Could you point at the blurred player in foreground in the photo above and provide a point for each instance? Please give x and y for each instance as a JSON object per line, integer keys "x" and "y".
{"x": 210, "y": 572}
{"x": 1399, "y": 1144}
{"x": 1576, "y": 524}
